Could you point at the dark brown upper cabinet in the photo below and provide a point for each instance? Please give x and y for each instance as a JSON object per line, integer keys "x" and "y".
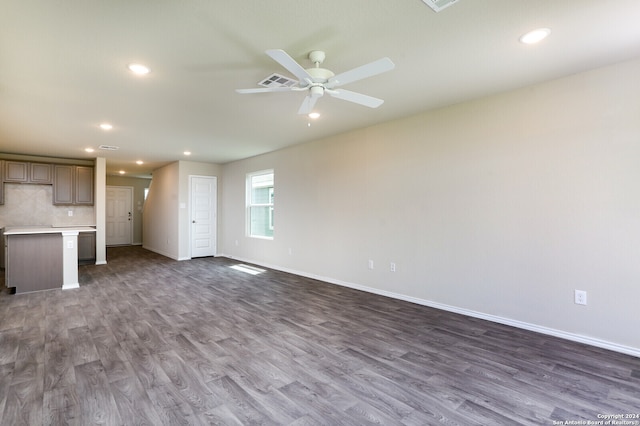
{"x": 40, "y": 173}
{"x": 24, "y": 172}
{"x": 84, "y": 185}
{"x": 72, "y": 185}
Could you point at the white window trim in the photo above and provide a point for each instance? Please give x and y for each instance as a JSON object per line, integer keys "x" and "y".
{"x": 248, "y": 205}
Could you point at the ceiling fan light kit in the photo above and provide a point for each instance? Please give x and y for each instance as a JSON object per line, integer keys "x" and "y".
{"x": 317, "y": 81}
{"x": 316, "y": 91}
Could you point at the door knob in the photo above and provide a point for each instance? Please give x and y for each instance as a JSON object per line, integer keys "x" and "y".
{"x": 193, "y": 221}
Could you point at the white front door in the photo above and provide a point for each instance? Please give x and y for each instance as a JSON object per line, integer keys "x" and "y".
{"x": 119, "y": 217}
{"x": 203, "y": 215}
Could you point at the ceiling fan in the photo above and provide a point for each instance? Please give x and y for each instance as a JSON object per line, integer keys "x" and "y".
{"x": 317, "y": 81}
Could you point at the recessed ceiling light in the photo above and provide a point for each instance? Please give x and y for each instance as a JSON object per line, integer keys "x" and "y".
{"x": 139, "y": 162}
{"x": 138, "y": 69}
{"x": 535, "y": 36}
{"x": 106, "y": 126}
{"x": 89, "y": 149}
{"x": 187, "y": 153}
{"x": 314, "y": 115}
{"x": 121, "y": 172}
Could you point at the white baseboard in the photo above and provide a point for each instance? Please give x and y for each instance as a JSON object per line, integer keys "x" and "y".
{"x": 70, "y": 286}
{"x": 165, "y": 254}
{"x": 628, "y": 350}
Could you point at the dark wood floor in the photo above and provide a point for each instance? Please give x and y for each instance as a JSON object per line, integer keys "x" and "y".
{"x": 148, "y": 340}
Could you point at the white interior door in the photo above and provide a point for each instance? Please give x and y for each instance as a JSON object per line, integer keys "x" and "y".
{"x": 119, "y": 217}
{"x": 203, "y": 215}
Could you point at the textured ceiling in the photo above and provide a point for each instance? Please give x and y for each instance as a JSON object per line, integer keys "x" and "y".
{"x": 63, "y": 67}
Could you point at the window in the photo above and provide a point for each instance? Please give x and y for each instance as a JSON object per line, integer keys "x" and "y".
{"x": 260, "y": 204}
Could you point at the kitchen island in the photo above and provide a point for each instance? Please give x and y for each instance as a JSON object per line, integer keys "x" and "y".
{"x": 42, "y": 258}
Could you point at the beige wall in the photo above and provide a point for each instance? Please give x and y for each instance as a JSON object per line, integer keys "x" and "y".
{"x": 499, "y": 208}
{"x": 160, "y": 214}
{"x": 166, "y": 221}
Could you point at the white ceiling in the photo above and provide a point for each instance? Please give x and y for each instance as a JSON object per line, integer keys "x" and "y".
{"x": 63, "y": 67}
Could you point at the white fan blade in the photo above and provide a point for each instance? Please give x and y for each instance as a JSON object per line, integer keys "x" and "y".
{"x": 264, "y": 90}
{"x": 308, "y": 104}
{"x": 358, "y": 98}
{"x": 283, "y": 58}
{"x": 364, "y": 71}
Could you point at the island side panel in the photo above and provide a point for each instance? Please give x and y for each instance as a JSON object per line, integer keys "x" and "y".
{"x": 34, "y": 262}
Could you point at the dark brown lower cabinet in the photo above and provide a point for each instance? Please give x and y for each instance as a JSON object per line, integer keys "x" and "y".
{"x": 34, "y": 262}
{"x": 86, "y": 248}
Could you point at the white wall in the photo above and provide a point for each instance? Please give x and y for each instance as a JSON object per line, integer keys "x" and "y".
{"x": 498, "y": 208}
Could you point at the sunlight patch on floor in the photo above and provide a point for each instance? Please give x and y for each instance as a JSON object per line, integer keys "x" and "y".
{"x": 248, "y": 269}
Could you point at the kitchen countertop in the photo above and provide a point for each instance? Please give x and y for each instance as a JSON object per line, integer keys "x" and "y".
{"x": 26, "y": 230}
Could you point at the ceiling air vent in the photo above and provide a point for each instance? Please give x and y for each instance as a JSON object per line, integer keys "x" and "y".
{"x": 109, "y": 147}
{"x": 438, "y": 5}
{"x": 277, "y": 80}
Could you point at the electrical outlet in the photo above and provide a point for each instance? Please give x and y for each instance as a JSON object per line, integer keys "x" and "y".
{"x": 70, "y": 213}
{"x": 392, "y": 267}
{"x": 580, "y": 297}
{"x": 370, "y": 264}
